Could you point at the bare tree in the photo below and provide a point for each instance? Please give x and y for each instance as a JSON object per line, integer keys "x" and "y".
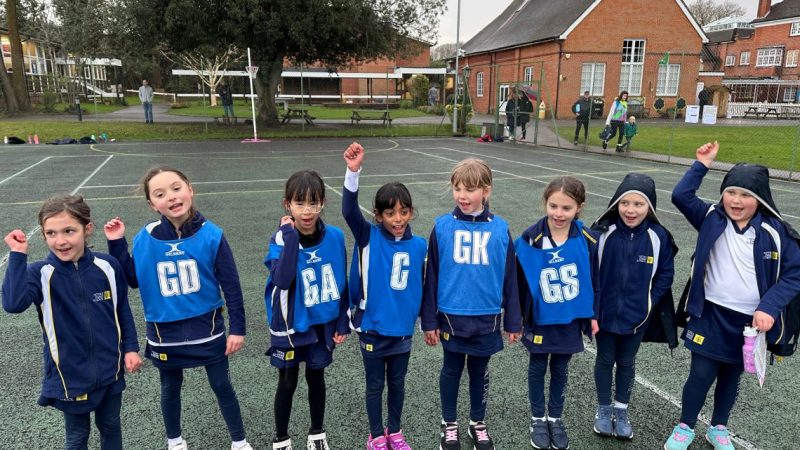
{"x": 208, "y": 69}
{"x": 444, "y": 51}
{"x": 707, "y": 11}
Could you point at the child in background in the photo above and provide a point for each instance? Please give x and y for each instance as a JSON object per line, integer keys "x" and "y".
{"x": 746, "y": 270}
{"x": 557, "y": 260}
{"x": 630, "y": 132}
{"x": 470, "y": 279}
{"x": 306, "y": 300}
{"x": 81, "y": 298}
{"x": 386, "y": 292}
{"x": 636, "y": 261}
{"x": 180, "y": 263}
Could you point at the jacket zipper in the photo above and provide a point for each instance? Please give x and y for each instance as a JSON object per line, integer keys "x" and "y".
{"x": 87, "y": 320}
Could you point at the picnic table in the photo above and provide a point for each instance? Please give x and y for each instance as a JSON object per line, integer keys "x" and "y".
{"x": 790, "y": 112}
{"x": 758, "y": 113}
{"x": 298, "y": 112}
{"x": 359, "y": 115}
{"x": 773, "y": 111}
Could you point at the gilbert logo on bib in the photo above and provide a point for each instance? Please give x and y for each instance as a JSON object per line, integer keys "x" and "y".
{"x": 173, "y": 249}
{"x": 312, "y": 257}
{"x": 555, "y": 258}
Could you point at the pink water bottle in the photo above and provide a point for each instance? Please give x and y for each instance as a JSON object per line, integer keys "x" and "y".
{"x": 748, "y": 349}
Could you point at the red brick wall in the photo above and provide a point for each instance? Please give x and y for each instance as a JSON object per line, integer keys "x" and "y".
{"x": 766, "y": 36}
{"x": 599, "y": 39}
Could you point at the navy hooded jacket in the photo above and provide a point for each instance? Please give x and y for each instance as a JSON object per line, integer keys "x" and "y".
{"x": 775, "y": 251}
{"x": 87, "y": 325}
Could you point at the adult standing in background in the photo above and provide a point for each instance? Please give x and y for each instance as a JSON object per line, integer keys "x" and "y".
{"x": 525, "y": 108}
{"x": 146, "y": 97}
{"x": 617, "y": 116}
{"x": 433, "y": 95}
{"x": 582, "y": 109}
{"x": 512, "y": 112}
{"x": 226, "y": 95}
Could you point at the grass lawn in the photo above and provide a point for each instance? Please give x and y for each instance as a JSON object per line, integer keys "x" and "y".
{"x": 125, "y": 131}
{"x": 771, "y": 146}
{"x": 242, "y": 109}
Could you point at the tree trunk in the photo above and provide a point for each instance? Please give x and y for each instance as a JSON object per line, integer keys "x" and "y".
{"x": 17, "y": 61}
{"x": 266, "y": 85}
{"x": 8, "y": 90}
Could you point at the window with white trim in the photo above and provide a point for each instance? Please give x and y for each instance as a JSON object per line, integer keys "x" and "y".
{"x": 795, "y": 30}
{"x": 630, "y": 77}
{"x": 789, "y": 94}
{"x": 730, "y": 60}
{"x": 744, "y": 59}
{"x": 528, "y": 77}
{"x": 791, "y": 58}
{"x": 479, "y": 84}
{"x": 769, "y": 57}
{"x": 669, "y": 76}
{"x": 503, "y": 92}
{"x": 593, "y": 77}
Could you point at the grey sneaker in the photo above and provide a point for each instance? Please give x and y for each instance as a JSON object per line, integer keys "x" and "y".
{"x": 540, "y": 434}
{"x": 622, "y": 425}
{"x": 604, "y": 421}
{"x": 558, "y": 435}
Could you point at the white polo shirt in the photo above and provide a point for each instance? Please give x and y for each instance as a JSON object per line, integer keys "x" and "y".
{"x": 730, "y": 279}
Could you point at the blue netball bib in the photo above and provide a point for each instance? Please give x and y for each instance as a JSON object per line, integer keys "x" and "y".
{"x": 560, "y": 280}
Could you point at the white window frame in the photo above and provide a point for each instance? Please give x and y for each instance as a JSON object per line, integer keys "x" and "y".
{"x": 528, "y": 75}
{"x": 632, "y": 70}
{"x": 596, "y": 81}
{"x": 768, "y": 57}
{"x": 479, "y": 84}
{"x": 503, "y": 92}
{"x": 730, "y": 61}
{"x": 795, "y": 29}
{"x": 669, "y": 80}
{"x": 744, "y": 59}
{"x": 789, "y": 94}
{"x": 791, "y": 58}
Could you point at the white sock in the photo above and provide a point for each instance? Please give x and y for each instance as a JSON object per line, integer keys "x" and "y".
{"x": 444, "y": 422}
{"x": 175, "y": 441}
{"x": 538, "y": 418}
{"x": 552, "y": 419}
{"x": 619, "y": 405}
{"x": 473, "y": 422}
{"x": 239, "y": 444}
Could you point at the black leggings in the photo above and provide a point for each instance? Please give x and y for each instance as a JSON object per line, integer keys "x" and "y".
{"x": 617, "y": 129}
{"x": 287, "y": 383}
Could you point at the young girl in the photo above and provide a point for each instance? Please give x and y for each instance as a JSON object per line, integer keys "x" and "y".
{"x": 180, "y": 263}
{"x": 630, "y": 131}
{"x": 636, "y": 256}
{"x": 746, "y": 270}
{"x": 469, "y": 281}
{"x": 617, "y": 115}
{"x": 306, "y": 300}
{"x": 81, "y": 298}
{"x": 386, "y": 292}
{"x": 557, "y": 263}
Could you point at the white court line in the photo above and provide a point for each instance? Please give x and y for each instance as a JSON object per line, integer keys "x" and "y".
{"x": 24, "y": 170}
{"x": 272, "y": 180}
{"x": 641, "y": 380}
{"x": 36, "y": 229}
{"x": 649, "y": 385}
{"x": 587, "y": 176}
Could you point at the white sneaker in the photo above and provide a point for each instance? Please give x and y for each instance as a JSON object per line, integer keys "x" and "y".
{"x": 181, "y": 446}
{"x": 282, "y": 445}
{"x": 317, "y": 442}
{"x": 246, "y": 446}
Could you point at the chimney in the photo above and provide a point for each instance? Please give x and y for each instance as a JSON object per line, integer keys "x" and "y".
{"x": 763, "y": 8}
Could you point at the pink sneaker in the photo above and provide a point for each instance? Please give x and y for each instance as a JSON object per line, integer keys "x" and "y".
{"x": 378, "y": 443}
{"x": 397, "y": 441}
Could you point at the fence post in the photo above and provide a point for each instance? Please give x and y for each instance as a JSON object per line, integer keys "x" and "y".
{"x": 794, "y": 150}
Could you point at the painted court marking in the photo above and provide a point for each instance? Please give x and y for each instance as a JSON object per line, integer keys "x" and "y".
{"x": 36, "y": 229}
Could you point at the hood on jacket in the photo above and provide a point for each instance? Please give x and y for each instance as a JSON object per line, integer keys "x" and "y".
{"x": 633, "y": 183}
{"x": 754, "y": 179}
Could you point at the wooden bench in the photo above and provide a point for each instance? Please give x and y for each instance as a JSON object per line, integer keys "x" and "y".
{"x": 359, "y": 115}
{"x": 636, "y": 107}
{"x": 773, "y": 111}
{"x": 296, "y": 112}
{"x": 752, "y": 110}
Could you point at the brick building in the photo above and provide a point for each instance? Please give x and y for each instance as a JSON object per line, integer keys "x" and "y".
{"x": 759, "y": 59}
{"x": 603, "y": 46}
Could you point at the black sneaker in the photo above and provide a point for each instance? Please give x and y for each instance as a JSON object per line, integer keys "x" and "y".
{"x": 480, "y": 437}
{"x": 317, "y": 441}
{"x": 540, "y": 434}
{"x": 448, "y": 437}
{"x": 619, "y": 148}
{"x": 558, "y": 435}
{"x": 605, "y": 145}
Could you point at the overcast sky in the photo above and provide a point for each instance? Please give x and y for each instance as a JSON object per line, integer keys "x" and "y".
{"x": 476, "y": 14}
